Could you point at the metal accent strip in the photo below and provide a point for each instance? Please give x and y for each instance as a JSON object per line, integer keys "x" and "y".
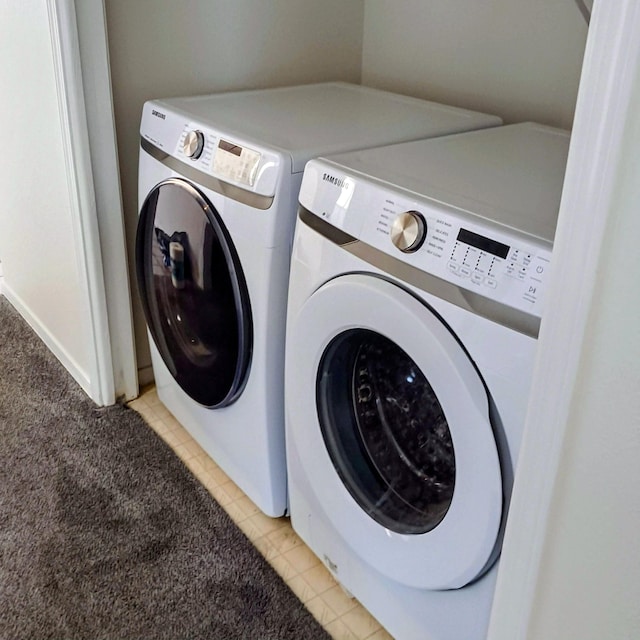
{"x": 243, "y": 196}
{"x": 515, "y": 319}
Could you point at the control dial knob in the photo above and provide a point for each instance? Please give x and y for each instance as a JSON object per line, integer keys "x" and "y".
{"x": 193, "y": 144}
{"x": 408, "y": 231}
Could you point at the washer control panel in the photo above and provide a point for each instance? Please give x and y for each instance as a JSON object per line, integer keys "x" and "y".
{"x": 475, "y": 259}
{"x": 457, "y": 246}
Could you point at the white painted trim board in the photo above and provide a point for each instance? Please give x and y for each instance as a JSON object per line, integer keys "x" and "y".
{"x": 68, "y": 77}
{"x": 611, "y": 60}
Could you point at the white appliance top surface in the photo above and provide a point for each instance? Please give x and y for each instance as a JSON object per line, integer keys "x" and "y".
{"x": 512, "y": 175}
{"x": 319, "y": 119}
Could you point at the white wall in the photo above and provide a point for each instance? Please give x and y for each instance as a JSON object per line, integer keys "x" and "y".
{"x": 41, "y": 266}
{"x": 162, "y": 48}
{"x": 519, "y": 59}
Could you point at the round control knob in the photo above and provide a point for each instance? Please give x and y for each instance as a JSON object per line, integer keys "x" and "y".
{"x": 408, "y": 231}
{"x": 193, "y": 144}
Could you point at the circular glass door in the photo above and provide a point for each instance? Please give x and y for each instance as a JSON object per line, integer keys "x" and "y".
{"x": 386, "y": 432}
{"x": 194, "y": 293}
{"x": 389, "y": 426}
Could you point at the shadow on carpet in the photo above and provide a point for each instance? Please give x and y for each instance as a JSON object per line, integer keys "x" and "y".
{"x": 104, "y": 533}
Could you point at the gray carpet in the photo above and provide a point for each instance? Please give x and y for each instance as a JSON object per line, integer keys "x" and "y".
{"x": 104, "y": 533}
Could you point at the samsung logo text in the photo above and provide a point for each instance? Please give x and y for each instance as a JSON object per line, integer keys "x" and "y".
{"x": 338, "y": 182}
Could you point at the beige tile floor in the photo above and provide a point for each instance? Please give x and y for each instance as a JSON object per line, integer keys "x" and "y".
{"x": 342, "y": 616}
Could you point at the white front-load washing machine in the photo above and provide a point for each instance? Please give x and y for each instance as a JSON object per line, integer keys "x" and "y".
{"x": 218, "y": 184}
{"x": 417, "y": 284}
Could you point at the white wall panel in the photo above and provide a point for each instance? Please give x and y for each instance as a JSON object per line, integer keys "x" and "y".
{"x": 519, "y": 59}
{"x": 37, "y": 236}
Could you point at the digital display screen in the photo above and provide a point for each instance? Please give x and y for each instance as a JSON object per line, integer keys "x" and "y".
{"x": 231, "y": 148}
{"x": 484, "y": 244}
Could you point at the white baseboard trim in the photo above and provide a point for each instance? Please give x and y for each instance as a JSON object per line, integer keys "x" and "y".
{"x": 49, "y": 340}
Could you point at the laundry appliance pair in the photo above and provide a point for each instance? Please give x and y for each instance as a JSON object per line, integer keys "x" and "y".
{"x": 219, "y": 178}
{"x": 418, "y": 280}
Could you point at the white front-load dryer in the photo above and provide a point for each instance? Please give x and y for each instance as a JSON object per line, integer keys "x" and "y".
{"x": 417, "y": 285}
{"x": 218, "y": 186}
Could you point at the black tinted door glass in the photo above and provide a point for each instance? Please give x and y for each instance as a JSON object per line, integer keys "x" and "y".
{"x": 385, "y": 432}
{"x": 194, "y": 293}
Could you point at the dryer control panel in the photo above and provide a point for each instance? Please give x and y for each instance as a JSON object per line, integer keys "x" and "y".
{"x": 224, "y": 156}
{"x": 467, "y": 250}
